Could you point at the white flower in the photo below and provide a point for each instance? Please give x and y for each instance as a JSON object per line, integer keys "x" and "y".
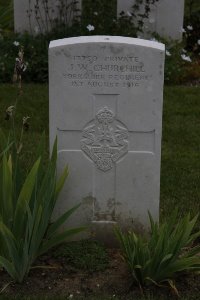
{"x": 16, "y": 43}
{"x": 167, "y": 53}
{"x": 184, "y": 51}
{"x": 90, "y": 27}
{"x": 198, "y": 42}
{"x": 128, "y": 14}
{"x": 70, "y": 296}
{"x": 182, "y": 30}
{"x": 186, "y": 58}
{"x": 96, "y": 13}
{"x": 189, "y": 27}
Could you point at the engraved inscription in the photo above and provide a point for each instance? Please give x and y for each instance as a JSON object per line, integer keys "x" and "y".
{"x": 105, "y": 139}
{"x": 107, "y": 71}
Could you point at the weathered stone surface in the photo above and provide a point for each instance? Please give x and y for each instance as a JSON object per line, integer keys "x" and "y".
{"x": 106, "y": 98}
{"x": 165, "y": 18}
{"x": 30, "y": 16}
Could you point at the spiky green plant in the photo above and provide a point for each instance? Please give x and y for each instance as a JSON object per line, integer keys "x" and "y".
{"x": 163, "y": 255}
{"x": 25, "y": 212}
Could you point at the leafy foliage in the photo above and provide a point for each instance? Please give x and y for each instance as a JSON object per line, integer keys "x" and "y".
{"x": 25, "y": 212}
{"x": 163, "y": 255}
{"x": 192, "y": 34}
{"x": 176, "y": 69}
{"x": 36, "y": 57}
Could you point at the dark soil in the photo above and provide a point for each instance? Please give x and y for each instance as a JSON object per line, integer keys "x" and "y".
{"x": 56, "y": 279}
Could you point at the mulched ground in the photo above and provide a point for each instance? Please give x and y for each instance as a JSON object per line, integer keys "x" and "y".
{"x": 57, "y": 279}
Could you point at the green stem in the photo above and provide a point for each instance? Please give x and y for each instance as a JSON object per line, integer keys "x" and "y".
{"x": 20, "y": 140}
{"x": 13, "y": 131}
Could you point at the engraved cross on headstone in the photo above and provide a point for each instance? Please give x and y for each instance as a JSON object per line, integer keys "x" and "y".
{"x": 105, "y": 141}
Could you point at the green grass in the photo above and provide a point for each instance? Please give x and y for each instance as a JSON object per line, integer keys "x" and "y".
{"x": 6, "y": 15}
{"x": 32, "y": 103}
{"x": 180, "y": 176}
{"x": 85, "y": 255}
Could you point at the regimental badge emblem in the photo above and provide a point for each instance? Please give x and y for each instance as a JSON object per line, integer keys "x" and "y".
{"x": 105, "y": 139}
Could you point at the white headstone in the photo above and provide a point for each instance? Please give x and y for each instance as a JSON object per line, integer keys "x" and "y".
{"x": 38, "y": 16}
{"x": 165, "y": 18}
{"x": 106, "y": 97}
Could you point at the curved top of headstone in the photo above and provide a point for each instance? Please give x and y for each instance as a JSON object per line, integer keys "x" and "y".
{"x": 107, "y": 39}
